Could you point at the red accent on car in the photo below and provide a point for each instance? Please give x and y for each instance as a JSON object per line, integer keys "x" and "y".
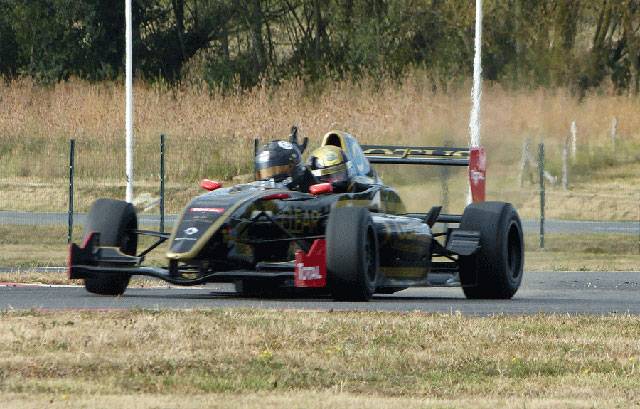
{"x": 210, "y": 185}
{"x": 85, "y": 242}
{"x": 276, "y": 196}
{"x": 477, "y": 173}
{"x": 87, "y": 239}
{"x": 320, "y": 188}
{"x": 311, "y": 268}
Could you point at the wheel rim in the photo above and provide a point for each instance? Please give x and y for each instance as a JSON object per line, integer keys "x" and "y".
{"x": 514, "y": 251}
{"x": 128, "y": 241}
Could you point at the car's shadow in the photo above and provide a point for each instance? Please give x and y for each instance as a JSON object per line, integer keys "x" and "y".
{"x": 203, "y": 294}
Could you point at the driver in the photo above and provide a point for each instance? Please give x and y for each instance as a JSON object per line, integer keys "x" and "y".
{"x": 329, "y": 164}
{"x": 281, "y": 162}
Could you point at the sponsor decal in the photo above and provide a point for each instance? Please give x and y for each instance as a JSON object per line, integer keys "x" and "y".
{"x": 476, "y": 176}
{"x": 255, "y": 213}
{"x": 405, "y": 152}
{"x": 310, "y": 268}
{"x": 308, "y": 273}
{"x": 207, "y": 209}
{"x": 263, "y": 156}
{"x": 191, "y": 230}
{"x": 285, "y": 145}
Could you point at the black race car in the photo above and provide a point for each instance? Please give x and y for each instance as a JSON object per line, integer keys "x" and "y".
{"x": 264, "y": 237}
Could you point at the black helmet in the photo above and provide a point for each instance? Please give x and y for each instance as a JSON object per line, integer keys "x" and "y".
{"x": 277, "y": 160}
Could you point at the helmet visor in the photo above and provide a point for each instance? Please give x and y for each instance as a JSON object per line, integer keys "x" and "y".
{"x": 333, "y": 174}
{"x": 274, "y": 172}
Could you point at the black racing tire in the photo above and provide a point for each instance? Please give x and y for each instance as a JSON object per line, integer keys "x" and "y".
{"x": 352, "y": 254}
{"x": 114, "y": 220}
{"x": 495, "y": 271}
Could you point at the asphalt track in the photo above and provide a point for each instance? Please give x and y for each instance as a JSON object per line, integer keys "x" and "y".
{"x": 558, "y": 292}
{"x": 530, "y": 226}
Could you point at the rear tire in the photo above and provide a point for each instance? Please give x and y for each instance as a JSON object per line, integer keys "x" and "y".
{"x": 352, "y": 254}
{"x": 114, "y": 220}
{"x": 495, "y": 271}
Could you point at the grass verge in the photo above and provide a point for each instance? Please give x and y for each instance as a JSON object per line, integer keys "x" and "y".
{"x": 294, "y": 400}
{"x": 243, "y": 358}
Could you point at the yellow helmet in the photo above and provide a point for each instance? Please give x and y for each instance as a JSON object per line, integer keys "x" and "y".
{"x": 329, "y": 164}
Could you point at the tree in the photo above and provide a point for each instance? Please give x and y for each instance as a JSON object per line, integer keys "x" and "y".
{"x": 8, "y": 43}
{"x": 534, "y": 42}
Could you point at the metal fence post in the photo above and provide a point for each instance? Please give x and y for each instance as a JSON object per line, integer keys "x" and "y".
{"x": 256, "y": 145}
{"x": 542, "y": 198}
{"x": 161, "y": 183}
{"x": 444, "y": 185}
{"x": 444, "y": 188}
{"x": 72, "y": 149}
{"x": 525, "y": 162}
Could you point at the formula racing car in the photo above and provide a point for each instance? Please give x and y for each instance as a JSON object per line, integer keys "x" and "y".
{"x": 265, "y": 236}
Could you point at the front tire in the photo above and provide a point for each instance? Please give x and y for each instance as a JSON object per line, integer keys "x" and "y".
{"x": 495, "y": 271}
{"x": 115, "y": 220}
{"x": 352, "y": 254}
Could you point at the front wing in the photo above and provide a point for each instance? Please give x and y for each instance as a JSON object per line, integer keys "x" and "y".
{"x": 91, "y": 260}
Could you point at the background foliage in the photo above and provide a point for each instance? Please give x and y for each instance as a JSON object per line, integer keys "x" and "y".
{"x": 229, "y": 43}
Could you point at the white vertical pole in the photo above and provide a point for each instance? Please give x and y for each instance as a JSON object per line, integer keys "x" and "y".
{"x": 476, "y": 92}
{"x": 574, "y": 137}
{"x": 129, "y": 102}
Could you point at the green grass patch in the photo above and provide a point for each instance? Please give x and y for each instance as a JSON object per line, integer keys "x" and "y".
{"x": 591, "y": 160}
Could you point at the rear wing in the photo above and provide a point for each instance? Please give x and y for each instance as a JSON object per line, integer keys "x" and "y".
{"x": 428, "y": 155}
{"x": 473, "y": 157}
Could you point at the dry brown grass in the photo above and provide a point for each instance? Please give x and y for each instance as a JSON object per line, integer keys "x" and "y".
{"x": 318, "y": 358}
{"x": 294, "y": 400}
{"x": 30, "y": 276}
{"x": 211, "y": 134}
